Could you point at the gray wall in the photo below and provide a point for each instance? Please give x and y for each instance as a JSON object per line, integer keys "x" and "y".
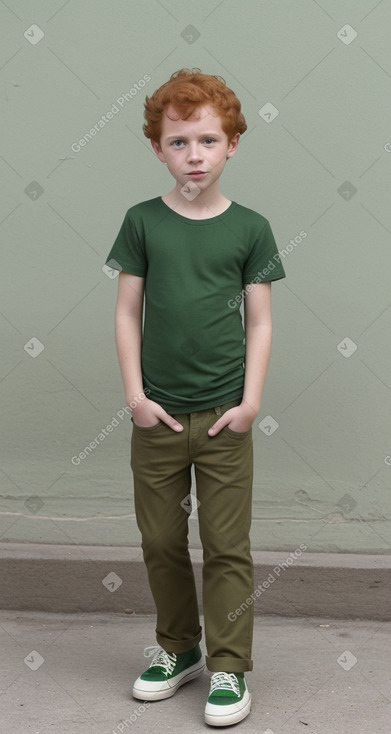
{"x": 321, "y": 167}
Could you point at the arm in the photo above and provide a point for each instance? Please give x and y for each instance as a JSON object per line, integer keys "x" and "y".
{"x": 258, "y": 327}
{"x": 128, "y": 337}
{"x": 258, "y": 330}
{"x": 128, "y": 333}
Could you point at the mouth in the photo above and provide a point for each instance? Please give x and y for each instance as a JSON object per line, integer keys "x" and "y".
{"x": 196, "y": 173}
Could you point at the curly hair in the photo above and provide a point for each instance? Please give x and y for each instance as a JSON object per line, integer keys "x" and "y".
{"x": 186, "y": 90}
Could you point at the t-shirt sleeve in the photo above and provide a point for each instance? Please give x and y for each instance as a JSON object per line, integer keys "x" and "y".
{"x": 128, "y": 252}
{"x": 264, "y": 261}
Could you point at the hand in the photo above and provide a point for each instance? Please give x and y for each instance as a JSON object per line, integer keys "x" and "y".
{"x": 239, "y": 419}
{"x": 147, "y": 414}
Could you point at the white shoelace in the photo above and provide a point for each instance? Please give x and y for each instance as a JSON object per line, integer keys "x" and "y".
{"x": 224, "y": 681}
{"x": 164, "y": 660}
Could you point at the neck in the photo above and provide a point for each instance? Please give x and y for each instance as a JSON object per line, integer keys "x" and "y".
{"x": 205, "y": 205}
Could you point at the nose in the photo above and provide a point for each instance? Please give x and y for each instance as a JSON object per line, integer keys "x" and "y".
{"x": 194, "y": 152}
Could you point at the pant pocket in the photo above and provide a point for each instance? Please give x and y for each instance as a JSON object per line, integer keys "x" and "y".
{"x": 235, "y": 434}
{"x": 147, "y": 428}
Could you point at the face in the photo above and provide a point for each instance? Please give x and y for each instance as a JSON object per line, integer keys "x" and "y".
{"x": 195, "y": 149}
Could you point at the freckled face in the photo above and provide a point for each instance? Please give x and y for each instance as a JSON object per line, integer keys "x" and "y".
{"x": 195, "y": 149}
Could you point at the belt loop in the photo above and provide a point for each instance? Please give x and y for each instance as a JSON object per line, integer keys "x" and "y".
{"x": 218, "y": 409}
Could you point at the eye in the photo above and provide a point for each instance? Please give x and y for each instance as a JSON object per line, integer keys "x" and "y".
{"x": 209, "y": 140}
{"x": 174, "y": 143}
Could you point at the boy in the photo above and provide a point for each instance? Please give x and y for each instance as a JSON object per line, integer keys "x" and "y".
{"x": 195, "y": 386}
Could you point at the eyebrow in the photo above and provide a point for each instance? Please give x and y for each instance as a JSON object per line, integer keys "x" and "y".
{"x": 201, "y": 135}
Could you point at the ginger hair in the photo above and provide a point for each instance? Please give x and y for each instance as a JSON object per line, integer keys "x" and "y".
{"x": 186, "y": 90}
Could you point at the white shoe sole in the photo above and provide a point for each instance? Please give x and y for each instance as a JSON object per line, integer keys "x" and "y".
{"x": 222, "y": 718}
{"x": 156, "y": 691}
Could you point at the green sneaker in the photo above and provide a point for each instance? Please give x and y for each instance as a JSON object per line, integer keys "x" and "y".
{"x": 167, "y": 672}
{"x": 229, "y": 700}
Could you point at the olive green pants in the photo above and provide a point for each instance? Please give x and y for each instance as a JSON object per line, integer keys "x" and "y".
{"x": 161, "y": 461}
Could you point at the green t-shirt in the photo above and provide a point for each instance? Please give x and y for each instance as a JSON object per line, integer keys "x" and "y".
{"x": 193, "y": 349}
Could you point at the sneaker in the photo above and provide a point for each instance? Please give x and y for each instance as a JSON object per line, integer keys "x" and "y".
{"x": 229, "y": 700}
{"x": 167, "y": 672}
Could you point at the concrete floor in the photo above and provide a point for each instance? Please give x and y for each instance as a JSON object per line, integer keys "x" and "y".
{"x": 71, "y": 673}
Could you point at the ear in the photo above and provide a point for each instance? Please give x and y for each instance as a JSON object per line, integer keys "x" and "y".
{"x": 158, "y": 150}
{"x": 233, "y": 145}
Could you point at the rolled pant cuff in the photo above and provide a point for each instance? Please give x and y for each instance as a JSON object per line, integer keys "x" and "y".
{"x": 228, "y": 665}
{"x": 178, "y": 646}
